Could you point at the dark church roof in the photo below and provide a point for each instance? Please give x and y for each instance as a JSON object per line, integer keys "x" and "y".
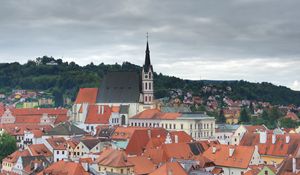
{"x": 120, "y": 87}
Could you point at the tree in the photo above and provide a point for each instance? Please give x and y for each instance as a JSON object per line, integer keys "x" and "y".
{"x": 221, "y": 118}
{"x": 244, "y": 118}
{"x": 288, "y": 123}
{"x": 7, "y": 145}
{"x": 265, "y": 116}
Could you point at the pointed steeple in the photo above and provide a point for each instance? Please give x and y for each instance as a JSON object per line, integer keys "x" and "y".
{"x": 147, "y": 64}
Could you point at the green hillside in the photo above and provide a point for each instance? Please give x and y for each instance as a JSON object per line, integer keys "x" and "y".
{"x": 64, "y": 79}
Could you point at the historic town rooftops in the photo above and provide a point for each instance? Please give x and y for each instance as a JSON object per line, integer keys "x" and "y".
{"x": 12, "y": 158}
{"x": 67, "y": 168}
{"x": 90, "y": 142}
{"x": 29, "y": 161}
{"x": 98, "y": 114}
{"x": 230, "y": 156}
{"x": 34, "y": 115}
{"x": 39, "y": 149}
{"x": 271, "y": 144}
{"x": 113, "y": 158}
{"x": 66, "y": 129}
{"x": 18, "y": 129}
{"x": 156, "y": 114}
{"x": 57, "y": 143}
{"x": 87, "y": 95}
{"x": 142, "y": 165}
{"x": 120, "y": 87}
{"x": 168, "y": 168}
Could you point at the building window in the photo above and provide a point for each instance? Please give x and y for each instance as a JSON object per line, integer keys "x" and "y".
{"x": 57, "y": 152}
{"x": 150, "y": 98}
{"x": 170, "y": 125}
{"x": 146, "y": 86}
{"x": 146, "y": 99}
{"x": 149, "y": 86}
{"x": 174, "y": 126}
{"x": 191, "y": 126}
{"x": 149, "y": 75}
{"x": 63, "y": 152}
{"x": 181, "y": 126}
{"x": 87, "y": 127}
{"x": 92, "y": 128}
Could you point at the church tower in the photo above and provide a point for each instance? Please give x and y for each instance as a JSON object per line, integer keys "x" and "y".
{"x": 147, "y": 79}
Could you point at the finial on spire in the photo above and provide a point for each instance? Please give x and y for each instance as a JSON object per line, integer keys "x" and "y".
{"x": 147, "y": 36}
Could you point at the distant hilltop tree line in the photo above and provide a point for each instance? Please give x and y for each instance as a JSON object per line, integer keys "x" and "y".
{"x": 65, "y": 78}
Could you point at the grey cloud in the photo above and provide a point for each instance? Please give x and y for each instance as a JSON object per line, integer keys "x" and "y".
{"x": 210, "y": 31}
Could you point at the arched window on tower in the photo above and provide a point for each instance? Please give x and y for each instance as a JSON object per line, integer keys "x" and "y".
{"x": 149, "y": 75}
{"x": 149, "y": 86}
{"x": 146, "y": 86}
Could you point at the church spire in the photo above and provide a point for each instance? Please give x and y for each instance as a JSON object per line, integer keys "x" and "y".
{"x": 147, "y": 64}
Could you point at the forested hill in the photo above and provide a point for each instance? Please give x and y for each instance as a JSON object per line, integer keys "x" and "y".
{"x": 64, "y": 79}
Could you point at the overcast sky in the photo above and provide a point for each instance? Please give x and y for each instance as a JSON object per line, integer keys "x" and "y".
{"x": 254, "y": 40}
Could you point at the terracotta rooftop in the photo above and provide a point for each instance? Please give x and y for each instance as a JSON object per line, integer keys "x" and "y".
{"x": 12, "y": 158}
{"x": 168, "y": 168}
{"x": 279, "y": 148}
{"x": 240, "y": 158}
{"x": 64, "y": 168}
{"x": 113, "y": 158}
{"x": 57, "y": 143}
{"x": 87, "y": 95}
{"x": 142, "y": 165}
{"x": 156, "y": 114}
{"x": 95, "y": 114}
{"x": 39, "y": 149}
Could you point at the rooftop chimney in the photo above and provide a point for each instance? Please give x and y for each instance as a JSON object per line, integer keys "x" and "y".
{"x": 294, "y": 165}
{"x": 149, "y": 133}
{"x": 99, "y": 109}
{"x": 231, "y": 150}
{"x": 263, "y": 137}
{"x": 102, "y": 110}
{"x": 214, "y": 149}
{"x": 287, "y": 138}
{"x": 176, "y": 138}
{"x": 273, "y": 138}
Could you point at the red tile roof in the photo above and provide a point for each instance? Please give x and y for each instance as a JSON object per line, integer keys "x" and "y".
{"x": 39, "y": 149}
{"x": 64, "y": 168}
{"x": 57, "y": 143}
{"x": 142, "y": 165}
{"x": 255, "y": 128}
{"x": 87, "y": 95}
{"x": 168, "y": 168}
{"x": 292, "y": 116}
{"x": 136, "y": 145}
{"x": 18, "y": 129}
{"x": 33, "y": 115}
{"x": 113, "y": 158}
{"x": 241, "y": 157}
{"x": 96, "y": 116}
{"x": 156, "y": 114}
{"x": 280, "y": 148}
{"x": 12, "y": 158}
